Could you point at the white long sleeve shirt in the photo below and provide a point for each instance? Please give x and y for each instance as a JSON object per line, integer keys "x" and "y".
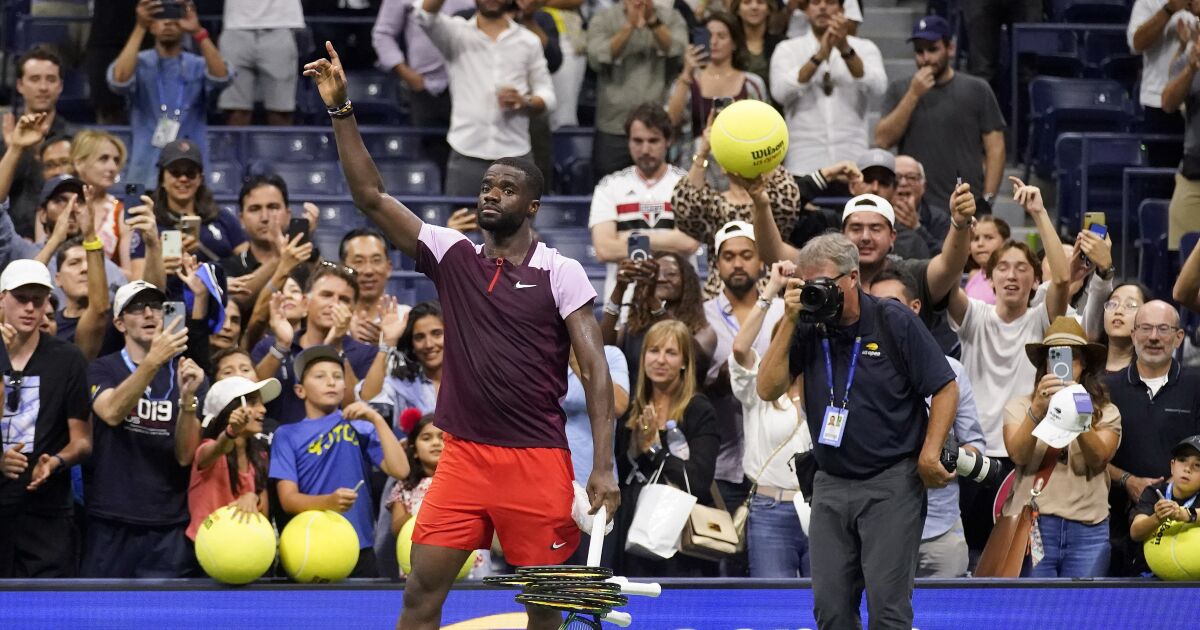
{"x": 825, "y": 129}
{"x": 478, "y": 67}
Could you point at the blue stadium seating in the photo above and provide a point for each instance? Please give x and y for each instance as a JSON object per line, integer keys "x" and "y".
{"x": 1108, "y": 154}
{"x": 1053, "y": 53}
{"x": 1061, "y": 105}
{"x": 393, "y": 145}
{"x": 1154, "y": 266}
{"x": 564, "y": 212}
{"x": 290, "y": 145}
{"x": 310, "y": 178}
{"x": 410, "y": 177}
{"x": 75, "y": 102}
{"x": 224, "y": 145}
{"x": 31, "y": 31}
{"x": 224, "y": 178}
{"x": 1107, "y": 56}
{"x": 573, "y": 161}
{"x": 374, "y": 98}
{"x": 1090, "y": 11}
{"x": 573, "y": 243}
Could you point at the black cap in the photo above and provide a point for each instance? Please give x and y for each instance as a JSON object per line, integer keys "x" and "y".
{"x": 1186, "y": 443}
{"x": 59, "y": 182}
{"x": 180, "y": 150}
{"x": 931, "y": 28}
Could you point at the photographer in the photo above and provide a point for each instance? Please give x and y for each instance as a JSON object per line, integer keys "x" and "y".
{"x": 875, "y": 448}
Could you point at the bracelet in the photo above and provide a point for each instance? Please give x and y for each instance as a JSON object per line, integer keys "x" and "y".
{"x": 345, "y": 110}
{"x": 385, "y": 348}
{"x": 958, "y": 226}
{"x": 277, "y": 352}
{"x": 1029, "y": 412}
{"x": 232, "y": 436}
{"x": 612, "y": 308}
{"x": 200, "y": 36}
{"x": 190, "y": 406}
{"x": 814, "y": 60}
{"x": 93, "y": 244}
{"x": 655, "y": 24}
{"x": 660, "y": 311}
{"x": 1107, "y": 274}
{"x": 62, "y": 463}
{"x": 1124, "y": 478}
{"x": 703, "y": 164}
{"x": 847, "y": 55}
{"x": 764, "y": 304}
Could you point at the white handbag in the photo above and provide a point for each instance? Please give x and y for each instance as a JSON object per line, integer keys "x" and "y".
{"x": 658, "y": 519}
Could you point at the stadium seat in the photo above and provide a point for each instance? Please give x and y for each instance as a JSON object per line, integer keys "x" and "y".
{"x": 224, "y": 145}
{"x": 1050, "y": 53}
{"x": 564, "y": 212}
{"x": 291, "y": 146}
{"x": 390, "y": 145}
{"x": 75, "y": 102}
{"x": 1154, "y": 264}
{"x": 1090, "y": 11}
{"x": 1108, "y": 154}
{"x": 32, "y": 31}
{"x": 311, "y": 178}
{"x": 1062, "y": 105}
{"x": 374, "y": 98}
{"x": 573, "y": 243}
{"x": 410, "y": 177}
{"x": 224, "y": 178}
{"x": 573, "y": 160}
{"x": 340, "y": 216}
{"x": 1106, "y": 55}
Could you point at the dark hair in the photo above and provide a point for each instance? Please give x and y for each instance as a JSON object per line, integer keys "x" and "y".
{"x": 653, "y": 116}
{"x": 689, "y": 309}
{"x": 410, "y": 368}
{"x": 258, "y": 181}
{"x": 738, "y": 59}
{"x": 534, "y": 182}
{"x": 225, "y": 353}
{"x": 416, "y": 472}
{"x": 52, "y": 140}
{"x": 41, "y": 53}
{"x": 1001, "y": 227}
{"x": 206, "y": 207}
{"x": 736, "y": 5}
{"x": 903, "y": 277}
{"x": 60, "y": 254}
{"x": 256, "y": 454}
{"x": 360, "y": 232}
{"x": 1147, "y": 295}
{"x": 326, "y": 268}
{"x": 1030, "y": 257}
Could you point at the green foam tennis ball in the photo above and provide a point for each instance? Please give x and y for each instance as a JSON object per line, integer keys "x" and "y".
{"x": 318, "y": 546}
{"x": 404, "y": 550}
{"x": 235, "y": 552}
{"x": 749, "y": 138}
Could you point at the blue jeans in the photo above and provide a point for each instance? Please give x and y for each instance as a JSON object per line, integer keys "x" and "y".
{"x": 775, "y": 543}
{"x": 1073, "y": 549}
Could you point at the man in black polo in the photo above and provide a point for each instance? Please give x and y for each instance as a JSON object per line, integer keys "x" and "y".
{"x": 1164, "y": 398}
{"x": 868, "y": 365}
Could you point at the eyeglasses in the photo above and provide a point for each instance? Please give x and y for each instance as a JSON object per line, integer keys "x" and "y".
{"x": 190, "y": 172}
{"x": 1129, "y": 306}
{"x": 884, "y": 179}
{"x": 909, "y": 177}
{"x": 14, "y": 391}
{"x": 827, "y": 84}
{"x": 137, "y": 308}
{"x": 38, "y": 299}
{"x": 1163, "y": 329}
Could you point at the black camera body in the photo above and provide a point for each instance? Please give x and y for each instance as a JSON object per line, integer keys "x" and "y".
{"x": 821, "y": 301}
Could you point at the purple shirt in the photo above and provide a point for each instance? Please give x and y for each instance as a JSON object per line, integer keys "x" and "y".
{"x": 506, "y": 343}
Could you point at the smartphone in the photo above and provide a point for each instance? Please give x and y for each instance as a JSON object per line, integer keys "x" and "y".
{"x": 173, "y": 316}
{"x": 702, "y": 38}
{"x": 1093, "y": 218}
{"x": 720, "y": 103}
{"x": 639, "y": 247}
{"x": 1099, "y": 229}
{"x": 298, "y": 225}
{"x": 172, "y": 244}
{"x": 190, "y": 224}
{"x": 171, "y": 11}
{"x": 133, "y": 198}
{"x": 1060, "y": 363}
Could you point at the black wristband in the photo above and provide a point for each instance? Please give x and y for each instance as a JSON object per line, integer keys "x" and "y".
{"x": 655, "y": 24}
{"x": 814, "y": 60}
{"x": 847, "y": 55}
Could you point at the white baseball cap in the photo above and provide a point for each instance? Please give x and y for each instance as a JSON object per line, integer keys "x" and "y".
{"x": 24, "y": 272}
{"x": 733, "y": 229}
{"x": 1069, "y": 414}
{"x": 870, "y": 203}
{"x": 126, "y": 294}
{"x": 230, "y": 389}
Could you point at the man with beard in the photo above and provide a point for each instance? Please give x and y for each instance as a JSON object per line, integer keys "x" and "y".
{"x": 949, "y": 122}
{"x": 167, "y": 87}
{"x": 498, "y": 80}
{"x": 514, "y": 311}
{"x": 638, "y": 197}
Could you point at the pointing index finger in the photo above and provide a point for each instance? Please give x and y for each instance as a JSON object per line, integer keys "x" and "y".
{"x": 333, "y": 56}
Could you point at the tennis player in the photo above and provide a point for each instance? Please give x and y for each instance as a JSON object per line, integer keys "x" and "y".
{"x": 513, "y": 308}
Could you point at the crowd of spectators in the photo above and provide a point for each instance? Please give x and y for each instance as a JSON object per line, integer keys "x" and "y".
{"x": 164, "y": 356}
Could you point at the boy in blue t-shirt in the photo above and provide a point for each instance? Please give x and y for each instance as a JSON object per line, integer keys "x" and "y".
{"x": 318, "y": 463}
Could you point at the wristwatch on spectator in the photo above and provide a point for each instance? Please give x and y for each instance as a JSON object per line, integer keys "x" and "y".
{"x": 1107, "y": 274}
{"x": 655, "y": 24}
{"x": 988, "y": 197}
{"x": 189, "y": 406}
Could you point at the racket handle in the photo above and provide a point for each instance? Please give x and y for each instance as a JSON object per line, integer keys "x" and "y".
{"x": 618, "y": 618}
{"x": 645, "y": 589}
{"x": 596, "y": 544}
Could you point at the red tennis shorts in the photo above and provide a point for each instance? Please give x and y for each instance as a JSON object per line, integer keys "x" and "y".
{"x": 524, "y": 495}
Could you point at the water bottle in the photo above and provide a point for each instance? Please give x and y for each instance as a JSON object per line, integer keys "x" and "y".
{"x": 676, "y": 442}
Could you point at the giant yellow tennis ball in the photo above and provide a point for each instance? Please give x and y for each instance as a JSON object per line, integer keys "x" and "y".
{"x": 1173, "y": 552}
{"x": 404, "y": 551}
{"x": 749, "y": 138}
{"x": 235, "y": 552}
{"x": 318, "y": 546}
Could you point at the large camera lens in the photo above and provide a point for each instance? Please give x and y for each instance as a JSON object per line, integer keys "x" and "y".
{"x": 813, "y": 296}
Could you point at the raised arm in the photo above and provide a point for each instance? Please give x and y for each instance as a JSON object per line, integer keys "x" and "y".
{"x": 894, "y": 123}
{"x": 743, "y": 342}
{"x": 598, "y": 390}
{"x": 945, "y": 269}
{"x": 1144, "y": 29}
{"x": 1030, "y": 197}
{"x": 112, "y": 406}
{"x": 1187, "y": 286}
{"x": 774, "y": 371}
{"x": 771, "y": 246}
{"x": 396, "y": 221}
{"x": 122, "y": 68}
{"x": 993, "y": 161}
{"x": 89, "y": 332}
{"x": 1183, "y": 70}
{"x": 214, "y": 63}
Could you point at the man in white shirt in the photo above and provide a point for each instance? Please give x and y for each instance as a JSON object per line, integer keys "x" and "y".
{"x": 1153, "y": 32}
{"x": 257, "y": 40}
{"x": 638, "y": 197}
{"x": 826, "y": 81}
{"x": 797, "y": 22}
{"x": 498, "y": 79}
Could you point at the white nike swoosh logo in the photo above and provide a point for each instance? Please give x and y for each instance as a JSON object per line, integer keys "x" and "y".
{"x": 521, "y": 285}
{"x": 558, "y": 545}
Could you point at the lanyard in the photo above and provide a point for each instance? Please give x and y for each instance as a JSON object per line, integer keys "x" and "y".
{"x": 1171, "y": 496}
{"x": 730, "y": 321}
{"x": 849, "y": 378}
{"x": 162, "y": 91}
{"x": 133, "y": 368}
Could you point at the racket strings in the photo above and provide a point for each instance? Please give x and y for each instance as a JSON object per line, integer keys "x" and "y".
{"x": 576, "y": 621}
